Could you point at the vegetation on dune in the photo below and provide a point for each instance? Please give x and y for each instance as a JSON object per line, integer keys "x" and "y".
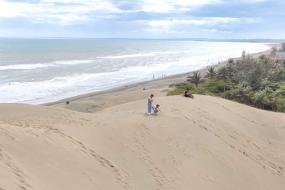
{"x": 259, "y": 82}
{"x": 211, "y": 73}
{"x": 196, "y": 78}
{"x": 283, "y": 46}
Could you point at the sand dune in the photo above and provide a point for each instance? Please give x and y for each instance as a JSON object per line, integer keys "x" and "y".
{"x": 205, "y": 143}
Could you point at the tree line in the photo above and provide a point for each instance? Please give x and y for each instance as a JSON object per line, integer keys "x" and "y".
{"x": 259, "y": 82}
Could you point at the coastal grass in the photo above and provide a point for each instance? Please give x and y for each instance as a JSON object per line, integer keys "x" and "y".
{"x": 258, "y": 82}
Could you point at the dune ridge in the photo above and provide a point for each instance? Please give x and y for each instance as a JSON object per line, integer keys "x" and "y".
{"x": 204, "y": 143}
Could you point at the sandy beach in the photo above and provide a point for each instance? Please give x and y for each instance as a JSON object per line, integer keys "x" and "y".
{"x": 106, "y": 141}
{"x": 204, "y": 143}
{"x": 93, "y": 102}
{"x": 142, "y": 95}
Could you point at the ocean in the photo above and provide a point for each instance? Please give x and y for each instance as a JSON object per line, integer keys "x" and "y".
{"x": 38, "y": 71}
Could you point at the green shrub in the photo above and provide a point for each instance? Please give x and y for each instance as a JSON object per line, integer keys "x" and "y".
{"x": 259, "y": 82}
{"x": 176, "y": 91}
{"x": 280, "y": 104}
{"x": 217, "y": 86}
{"x": 281, "y": 90}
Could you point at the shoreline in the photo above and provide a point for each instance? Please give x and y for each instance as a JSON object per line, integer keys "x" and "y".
{"x": 96, "y": 101}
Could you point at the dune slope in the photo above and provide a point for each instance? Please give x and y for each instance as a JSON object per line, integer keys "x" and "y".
{"x": 205, "y": 143}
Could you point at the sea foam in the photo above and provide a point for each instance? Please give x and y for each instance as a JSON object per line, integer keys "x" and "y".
{"x": 109, "y": 71}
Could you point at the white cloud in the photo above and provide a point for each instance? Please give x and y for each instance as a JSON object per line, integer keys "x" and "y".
{"x": 214, "y": 30}
{"x": 176, "y": 6}
{"x": 166, "y": 6}
{"x": 8, "y": 9}
{"x": 57, "y": 11}
{"x": 67, "y": 12}
{"x": 200, "y": 21}
{"x": 206, "y": 24}
{"x": 249, "y": 1}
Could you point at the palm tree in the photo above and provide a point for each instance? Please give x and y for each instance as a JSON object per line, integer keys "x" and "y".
{"x": 195, "y": 78}
{"x": 211, "y": 72}
{"x": 223, "y": 73}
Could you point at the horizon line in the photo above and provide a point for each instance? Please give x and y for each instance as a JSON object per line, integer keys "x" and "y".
{"x": 123, "y": 38}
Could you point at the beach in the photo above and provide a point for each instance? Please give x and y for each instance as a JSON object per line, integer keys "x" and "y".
{"x": 105, "y": 140}
{"x": 55, "y": 69}
{"x": 142, "y": 95}
{"x": 92, "y": 102}
{"x": 205, "y": 143}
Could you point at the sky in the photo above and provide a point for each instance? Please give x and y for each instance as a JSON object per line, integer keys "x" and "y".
{"x": 216, "y": 19}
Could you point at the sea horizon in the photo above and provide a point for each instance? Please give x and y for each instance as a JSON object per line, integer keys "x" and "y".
{"x": 255, "y": 40}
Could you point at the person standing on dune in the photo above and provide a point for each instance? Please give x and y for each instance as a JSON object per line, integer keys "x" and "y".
{"x": 149, "y": 103}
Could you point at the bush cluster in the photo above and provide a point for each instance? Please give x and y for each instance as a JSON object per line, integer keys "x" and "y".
{"x": 259, "y": 82}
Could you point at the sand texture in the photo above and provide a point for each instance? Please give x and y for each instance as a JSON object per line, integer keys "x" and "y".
{"x": 205, "y": 143}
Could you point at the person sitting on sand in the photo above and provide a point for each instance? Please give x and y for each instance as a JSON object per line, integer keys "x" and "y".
{"x": 156, "y": 108}
{"x": 188, "y": 94}
{"x": 149, "y": 103}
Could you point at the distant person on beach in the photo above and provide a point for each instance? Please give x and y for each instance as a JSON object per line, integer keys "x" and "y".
{"x": 188, "y": 94}
{"x": 149, "y": 103}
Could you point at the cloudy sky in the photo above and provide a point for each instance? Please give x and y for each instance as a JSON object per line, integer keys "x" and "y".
{"x": 143, "y": 18}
